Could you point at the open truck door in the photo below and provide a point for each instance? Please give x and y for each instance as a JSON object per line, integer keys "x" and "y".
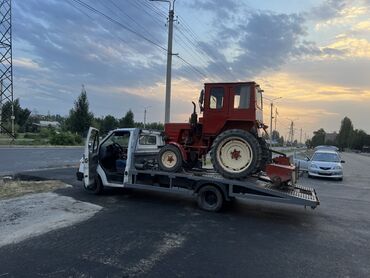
{"x": 90, "y": 158}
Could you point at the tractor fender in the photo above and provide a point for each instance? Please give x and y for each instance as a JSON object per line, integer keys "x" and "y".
{"x": 220, "y": 186}
{"x": 182, "y": 150}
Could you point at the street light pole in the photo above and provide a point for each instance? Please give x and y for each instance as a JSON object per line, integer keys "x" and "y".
{"x": 145, "y": 110}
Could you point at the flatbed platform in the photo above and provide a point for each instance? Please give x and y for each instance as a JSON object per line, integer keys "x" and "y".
{"x": 255, "y": 187}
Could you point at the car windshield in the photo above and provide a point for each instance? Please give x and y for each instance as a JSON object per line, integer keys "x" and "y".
{"x": 327, "y": 157}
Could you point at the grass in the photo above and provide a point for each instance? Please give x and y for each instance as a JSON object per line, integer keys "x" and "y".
{"x": 16, "y": 188}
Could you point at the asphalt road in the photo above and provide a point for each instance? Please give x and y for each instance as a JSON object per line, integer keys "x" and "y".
{"x": 17, "y": 159}
{"x": 148, "y": 234}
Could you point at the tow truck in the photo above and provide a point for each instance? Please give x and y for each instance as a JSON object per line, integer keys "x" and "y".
{"x": 127, "y": 158}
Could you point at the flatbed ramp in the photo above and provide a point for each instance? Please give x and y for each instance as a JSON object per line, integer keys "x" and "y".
{"x": 257, "y": 188}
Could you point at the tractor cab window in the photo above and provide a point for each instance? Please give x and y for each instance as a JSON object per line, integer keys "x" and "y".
{"x": 259, "y": 98}
{"x": 242, "y": 97}
{"x": 216, "y": 99}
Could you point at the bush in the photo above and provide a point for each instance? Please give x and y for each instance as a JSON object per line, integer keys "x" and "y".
{"x": 64, "y": 139}
{"x": 31, "y": 136}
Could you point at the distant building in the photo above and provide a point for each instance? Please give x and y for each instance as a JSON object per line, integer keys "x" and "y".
{"x": 46, "y": 124}
{"x": 331, "y": 136}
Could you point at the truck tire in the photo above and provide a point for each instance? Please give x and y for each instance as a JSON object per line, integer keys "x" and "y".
{"x": 236, "y": 154}
{"x": 170, "y": 158}
{"x": 210, "y": 198}
{"x": 96, "y": 188}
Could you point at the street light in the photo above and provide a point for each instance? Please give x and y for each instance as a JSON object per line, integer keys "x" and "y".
{"x": 271, "y": 117}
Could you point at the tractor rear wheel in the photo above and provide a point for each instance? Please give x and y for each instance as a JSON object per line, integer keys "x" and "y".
{"x": 266, "y": 157}
{"x": 170, "y": 159}
{"x": 236, "y": 154}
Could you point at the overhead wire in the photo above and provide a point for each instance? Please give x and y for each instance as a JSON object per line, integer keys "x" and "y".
{"x": 112, "y": 20}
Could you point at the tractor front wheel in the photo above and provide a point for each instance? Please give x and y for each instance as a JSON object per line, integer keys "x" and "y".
{"x": 170, "y": 159}
{"x": 236, "y": 154}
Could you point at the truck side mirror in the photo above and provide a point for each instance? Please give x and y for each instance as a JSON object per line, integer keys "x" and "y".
{"x": 342, "y": 161}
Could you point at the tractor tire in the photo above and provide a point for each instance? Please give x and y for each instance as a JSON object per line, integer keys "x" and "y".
{"x": 170, "y": 159}
{"x": 236, "y": 154}
{"x": 266, "y": 156}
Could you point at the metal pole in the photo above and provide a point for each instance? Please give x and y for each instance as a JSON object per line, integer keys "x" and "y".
{"x": 169, "y": 65}
{"x": 276, "y": 114}
{"x": 144, "y": 117}
{"x": 11, "y": 69}
{"x": 1, "y": 104}
{"x": 272, "y": 105}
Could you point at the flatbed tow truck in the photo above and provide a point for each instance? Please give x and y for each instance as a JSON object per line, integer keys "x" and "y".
{"x": 125, "y": 158}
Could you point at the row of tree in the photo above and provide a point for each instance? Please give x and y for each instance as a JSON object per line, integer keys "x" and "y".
{"x": 78, "y": 121}
{"x": 347, "y": 138}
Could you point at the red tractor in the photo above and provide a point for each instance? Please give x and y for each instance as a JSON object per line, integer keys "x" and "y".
{"x": 230, "y": 129}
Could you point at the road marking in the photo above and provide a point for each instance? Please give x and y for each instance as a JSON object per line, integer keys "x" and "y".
{"x": 170, "y": 241}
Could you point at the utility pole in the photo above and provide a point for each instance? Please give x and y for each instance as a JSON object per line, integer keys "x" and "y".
{"x": 276, "y": 114}
{"x": 300, "y": 137}
{"x": 171, "y": 14}
{"x": 145, "y": 111}
{"x": 271, "y": 116}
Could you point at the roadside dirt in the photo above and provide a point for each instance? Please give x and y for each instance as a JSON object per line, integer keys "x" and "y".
{"x": 16, "y": 188}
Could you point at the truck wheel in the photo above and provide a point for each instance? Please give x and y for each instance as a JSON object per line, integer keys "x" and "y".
{"x": 96, "y": 188}
{"x": 236, "y": 154}
{"x": 169, "y": 158}
{"x": 210, "y": 198}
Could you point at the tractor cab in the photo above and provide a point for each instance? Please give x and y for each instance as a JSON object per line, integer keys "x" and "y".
{"x": 228, "y": 105}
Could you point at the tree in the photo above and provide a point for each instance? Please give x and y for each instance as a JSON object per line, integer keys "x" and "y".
{"x": 318, "y": 138}
{"x": 80, "y": 118}
{"x": 108, "y": 123}
{"x": 358, "y": 139}
{"x": 345, "y": 133}
{"x": 21, "y": 115}
{"x": 128, "y": 120}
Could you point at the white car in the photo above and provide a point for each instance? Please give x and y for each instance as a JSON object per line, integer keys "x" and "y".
{"x": 324, "y": 163}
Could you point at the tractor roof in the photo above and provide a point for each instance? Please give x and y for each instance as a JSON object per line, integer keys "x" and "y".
{"x": 231, "y": 83}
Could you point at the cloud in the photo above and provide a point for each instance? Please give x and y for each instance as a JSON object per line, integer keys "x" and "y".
{"x": 269, "y": 40}
{"x": 27, "y": 63}
{"x": 327, "y": 10}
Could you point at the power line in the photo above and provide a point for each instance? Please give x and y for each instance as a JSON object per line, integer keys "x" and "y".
{"x": 96, "y": 11}
{"x": 92, "y": 9}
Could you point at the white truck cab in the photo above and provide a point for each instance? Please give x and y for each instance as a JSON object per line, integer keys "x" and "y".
{"x": 107, "y": 163}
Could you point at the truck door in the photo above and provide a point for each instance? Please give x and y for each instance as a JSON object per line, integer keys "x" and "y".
{"x": 215, "y": 108}
{"x": 91, "y": 156}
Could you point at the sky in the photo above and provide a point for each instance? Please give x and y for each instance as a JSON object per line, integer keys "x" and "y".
{"x": 313, "y": 54}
